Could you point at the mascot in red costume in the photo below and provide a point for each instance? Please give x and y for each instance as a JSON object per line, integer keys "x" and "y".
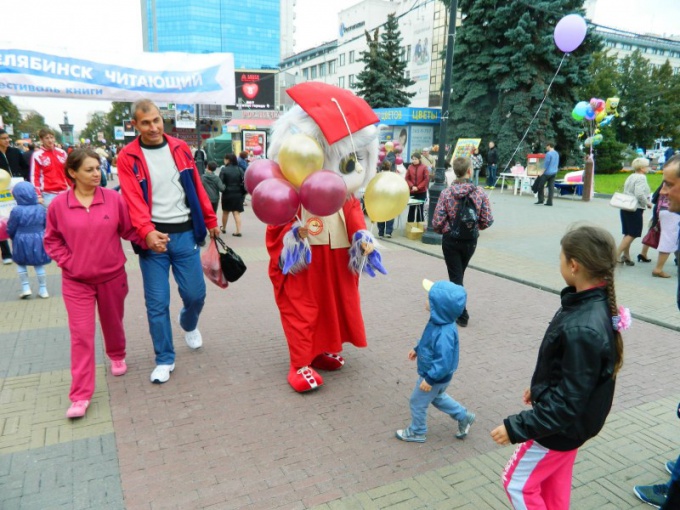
{"x": 315, "y": 262}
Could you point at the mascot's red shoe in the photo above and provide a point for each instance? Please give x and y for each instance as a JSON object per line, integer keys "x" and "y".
{"x": 304, "y": 379}
{"x": 328, "y": 361}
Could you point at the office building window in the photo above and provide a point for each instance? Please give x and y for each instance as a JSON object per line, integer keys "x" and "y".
{"x": 331, "y": 67}
{"x": 305, "y": 73}
{"x": 351, "y": 80}
{"x": 351, "y": 57}
{"x": 341, "y": 59}
{"x": 322, "y": 70}
{"x": 341, "y": 82}
{"x": 312, "y": 72}
{"x": 408, "y": 53}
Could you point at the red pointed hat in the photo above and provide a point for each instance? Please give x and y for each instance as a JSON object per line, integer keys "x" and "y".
{"x": 327, "y": 104}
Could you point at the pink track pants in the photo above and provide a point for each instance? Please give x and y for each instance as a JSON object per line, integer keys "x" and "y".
{"x": 80, "y": 299}
{"x": 537, "y": 478}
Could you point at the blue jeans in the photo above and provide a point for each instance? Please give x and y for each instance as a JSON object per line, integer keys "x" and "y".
{"x": 491, "y": 175}
{"x": 437, "y": 396}
{"x": 183, "y": 256}
{"x": 381, "y": 227}
{"x": 673, "y": 498}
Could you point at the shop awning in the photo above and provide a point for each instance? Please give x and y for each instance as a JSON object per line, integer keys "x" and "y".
{"x": 250, "y": 123}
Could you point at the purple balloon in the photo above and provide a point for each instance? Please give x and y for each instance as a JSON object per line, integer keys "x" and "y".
{"x": 275, "y": 201}
{"x": 323, "y": 193}
{"x": 590, "y": 113}
{"x": 570, "y": 32}
{"x": 259, "y": 170}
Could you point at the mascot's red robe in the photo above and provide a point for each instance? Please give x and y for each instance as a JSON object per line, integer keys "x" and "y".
{"x": 320, "y": 305}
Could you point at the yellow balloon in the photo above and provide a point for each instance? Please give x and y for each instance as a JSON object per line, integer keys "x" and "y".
{"x": 300, "y": 156}
{"x": 389, "y": 146}
{"x": 386, "y": 196}
{"x": 5, "y": 180}
{"x": 600, "y": 116}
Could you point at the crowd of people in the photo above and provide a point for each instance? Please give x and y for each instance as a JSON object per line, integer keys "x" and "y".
{"x": 166, "y": 208}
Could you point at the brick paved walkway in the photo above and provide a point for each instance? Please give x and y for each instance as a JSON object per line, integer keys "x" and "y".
{"x": 227, "y": 432}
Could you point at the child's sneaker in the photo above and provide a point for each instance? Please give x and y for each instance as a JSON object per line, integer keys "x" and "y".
{"x": 408, "y": 436}
{"x": 464, "y": 425}
{"x": 25, "y": 294}
{"x": 43, "y": 293}
{"x": 7, "y": 261}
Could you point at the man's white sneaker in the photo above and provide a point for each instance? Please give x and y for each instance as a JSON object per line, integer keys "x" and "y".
{"x": 25, "y": 294}
{"x": 161, "y": 373}
{"x": 43, "y": 293}
{"x": 193, "y": 338}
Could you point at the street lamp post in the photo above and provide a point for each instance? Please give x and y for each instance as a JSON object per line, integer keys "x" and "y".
{"x": 430, "y": 236}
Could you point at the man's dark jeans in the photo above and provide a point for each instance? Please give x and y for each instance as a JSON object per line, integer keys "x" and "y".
{"x": 457, "y": 255}
{"x": 547, "y": 180}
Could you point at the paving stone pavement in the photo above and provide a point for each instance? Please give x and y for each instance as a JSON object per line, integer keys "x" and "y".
{"x": 227, "y": 432}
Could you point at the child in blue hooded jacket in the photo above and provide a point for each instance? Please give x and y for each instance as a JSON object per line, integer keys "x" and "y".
{"x": 437, "y": 355}
{"x": 26, "y": 228}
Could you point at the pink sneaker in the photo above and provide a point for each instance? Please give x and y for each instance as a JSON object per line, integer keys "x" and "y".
{"x": 118, "y": 367}
{"x": 78, "y": 409}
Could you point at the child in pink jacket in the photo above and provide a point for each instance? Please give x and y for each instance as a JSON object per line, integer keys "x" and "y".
{"x": 84, "y": 228}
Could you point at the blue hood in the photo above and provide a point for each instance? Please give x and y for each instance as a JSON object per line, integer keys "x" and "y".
{"x": 24, "y": 193}
{"x": 447, "y": 302}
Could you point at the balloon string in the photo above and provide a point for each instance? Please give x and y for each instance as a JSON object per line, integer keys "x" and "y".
{"x": 535, "y": 115}
{"x": 346, "y": 123}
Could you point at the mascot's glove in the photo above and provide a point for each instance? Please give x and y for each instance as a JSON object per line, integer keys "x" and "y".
{"x": 358, "y": 261}
{"x": 296, "y": 254}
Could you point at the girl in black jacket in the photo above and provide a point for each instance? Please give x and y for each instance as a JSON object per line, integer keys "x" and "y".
{"x": 572, "y": 387}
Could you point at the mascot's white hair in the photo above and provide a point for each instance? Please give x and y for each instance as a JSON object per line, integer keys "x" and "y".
{"x": 365, "y": 143}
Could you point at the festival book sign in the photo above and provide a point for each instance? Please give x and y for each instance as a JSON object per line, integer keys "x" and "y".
{"x": 172, "y": 76}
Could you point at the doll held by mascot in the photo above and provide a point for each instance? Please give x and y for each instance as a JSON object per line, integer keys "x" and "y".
{"x": 315, "y": 262}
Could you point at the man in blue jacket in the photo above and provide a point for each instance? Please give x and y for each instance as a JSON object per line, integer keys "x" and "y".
{"x": 552, "y": 163}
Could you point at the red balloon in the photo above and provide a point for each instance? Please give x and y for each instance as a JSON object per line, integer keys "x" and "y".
{"x": 381, "y": 156}
{"x": 4, "y": 236}
{"x": 259, "y": 170}
{"x": 398, "y": 160}
{"x": 323, "y": 193}
{"x": 397, "y": 147}
{"x": 257, "y": 150}
{"x": 275, "y": 201}
{"x": 382, "y": 147}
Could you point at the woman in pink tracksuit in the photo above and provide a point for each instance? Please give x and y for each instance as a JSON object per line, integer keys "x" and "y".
{"x": 84, "y": 227}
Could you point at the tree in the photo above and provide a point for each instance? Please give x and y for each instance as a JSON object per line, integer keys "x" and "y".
{"x": 10, "y": 114}
{"x": 505, "y": 59}
{"x": 382, "y": 82}
{"x": 119, "y": 112}
{"x": 96, "y": 125}
{"x": 636, "y": 92}
{"x": 32, "y": 123}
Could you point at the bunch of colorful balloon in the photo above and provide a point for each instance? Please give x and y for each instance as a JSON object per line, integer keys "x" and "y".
{"x": 391, "y": 147}
{"x": 595, "y": 114}
{"x": 278, "y": 189}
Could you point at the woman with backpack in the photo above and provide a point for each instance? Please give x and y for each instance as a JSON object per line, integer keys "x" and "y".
{"x": 462, "y": 211}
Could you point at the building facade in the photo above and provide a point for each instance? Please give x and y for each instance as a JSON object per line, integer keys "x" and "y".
{"x": 257, "y": 32}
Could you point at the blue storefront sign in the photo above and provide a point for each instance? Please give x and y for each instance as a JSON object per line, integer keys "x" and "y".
{"x": 408, "y": 115}
{"x": 412, "y": 128}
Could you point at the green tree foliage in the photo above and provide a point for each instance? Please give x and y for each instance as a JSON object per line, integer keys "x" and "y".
{"x": 32, "y": 123}
{"x": 610, "y": 154}
{"x": 96, "y": 125}
{"x": 10, "y": 114}
{"x": 382, "y": 82}
{"x": 505, "y": 58}
{"x": 636, "y": 92}
{"x": 119, "y": 112}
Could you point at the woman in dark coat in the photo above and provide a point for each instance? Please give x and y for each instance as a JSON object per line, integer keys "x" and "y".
{"x": 234, "y": 193}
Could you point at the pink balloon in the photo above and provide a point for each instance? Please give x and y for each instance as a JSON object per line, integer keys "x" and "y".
{"x": 382, "y": 147}
{"x": 397, "y": 147}
{"x": 275, "y": 201}
{"x": 4, "y": 236}
{"x": 257, "y": 150}
{"x": 323, "y": 193}
{"x": 398, "y": 160}
{"x": 381, "y": 156}
{"x": 259, "y": 170}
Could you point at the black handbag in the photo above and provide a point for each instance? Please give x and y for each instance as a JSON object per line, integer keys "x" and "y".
{"x": 232, "y": 265}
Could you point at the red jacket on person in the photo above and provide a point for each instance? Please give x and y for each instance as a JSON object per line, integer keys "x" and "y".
{"x": 418, "y": 176}
{"x": 133, "y": 172}
{"x": 48, "y": 173}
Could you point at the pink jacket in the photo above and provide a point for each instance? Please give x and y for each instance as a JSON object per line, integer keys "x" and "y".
{"x": 85, "y": 243}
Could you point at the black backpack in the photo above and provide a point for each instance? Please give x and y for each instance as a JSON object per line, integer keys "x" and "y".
{"x": 464, "y": 225}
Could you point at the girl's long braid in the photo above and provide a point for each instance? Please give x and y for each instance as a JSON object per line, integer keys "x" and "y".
{"x": 614, "y": 310}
